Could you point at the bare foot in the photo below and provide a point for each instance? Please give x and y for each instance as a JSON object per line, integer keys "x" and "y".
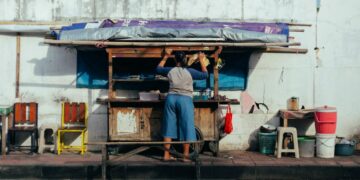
{"x": 186, "y": 160}
{"x": 170, "y": 159}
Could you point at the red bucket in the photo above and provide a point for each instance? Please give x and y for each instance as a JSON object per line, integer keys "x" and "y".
{"x": 325, "y": 120}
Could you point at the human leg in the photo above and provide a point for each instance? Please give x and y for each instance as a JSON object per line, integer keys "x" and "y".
{"x": 169, "y": 127}
{"x": 186, "y": 150}
{"x": 186, "y": 122}
{"x": 167, "y": 149}
{"x": 186, "y": 112}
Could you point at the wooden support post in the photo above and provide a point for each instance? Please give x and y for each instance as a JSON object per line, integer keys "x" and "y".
{"x": 216, "y": 73}
{"x": 4, "y": 135}
{"x": 111, "y": 94}
{"x": 198, "y": 168}
{"x": 216, "y": 81}
{"x": 17, "y": 82}
{"x": 111, "y": 82}
{"x": 104, "y": 159}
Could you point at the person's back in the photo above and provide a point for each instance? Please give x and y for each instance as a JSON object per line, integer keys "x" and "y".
{"x": 180, "y": 81}
{"x": 180, "y": 77}
{"x": 179, "y": 107}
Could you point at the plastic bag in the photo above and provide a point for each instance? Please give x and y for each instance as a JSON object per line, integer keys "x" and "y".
{"x": 228, "y": 128}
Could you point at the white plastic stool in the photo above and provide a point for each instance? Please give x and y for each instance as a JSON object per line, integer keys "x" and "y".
{"x": 42, "y": 143}
{"x": 280, "y": 141}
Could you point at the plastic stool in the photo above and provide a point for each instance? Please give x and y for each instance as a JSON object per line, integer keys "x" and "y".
{"x": 42, "y": 139}
{"x": 280, "y": 142}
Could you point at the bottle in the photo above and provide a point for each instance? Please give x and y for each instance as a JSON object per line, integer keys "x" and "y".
{"x": 208, "y": 93}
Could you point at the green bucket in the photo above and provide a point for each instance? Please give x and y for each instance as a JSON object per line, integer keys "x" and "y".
{"x": 267, "y": 142}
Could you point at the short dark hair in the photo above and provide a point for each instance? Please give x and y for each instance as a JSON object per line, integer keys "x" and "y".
{"x": 180, "y": 57}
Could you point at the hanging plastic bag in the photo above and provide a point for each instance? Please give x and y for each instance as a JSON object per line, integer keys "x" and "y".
{"x": 228, "y": 128}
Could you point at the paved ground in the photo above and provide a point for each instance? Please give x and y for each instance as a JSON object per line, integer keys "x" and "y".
{"x": 229, "y": 165}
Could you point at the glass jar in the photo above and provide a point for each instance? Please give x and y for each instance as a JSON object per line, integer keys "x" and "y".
{"x": 293, "y": 104}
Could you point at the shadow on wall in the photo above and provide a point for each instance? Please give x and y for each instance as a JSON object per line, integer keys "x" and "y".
{"x": 303, "y": 127}
{"x": 254, "y": 59}
{"x": 58, "y": 61}
{"x": 97, "y": 121}
{"x": 253, "y": 138}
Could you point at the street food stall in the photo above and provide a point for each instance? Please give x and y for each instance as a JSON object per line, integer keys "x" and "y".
{"x": 140, "y": 120}
{"x": 135, "y": 121}
{"x": 146, "y": 116}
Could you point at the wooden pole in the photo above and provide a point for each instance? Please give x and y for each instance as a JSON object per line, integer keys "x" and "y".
{"x": 296, "y": 30}
{"x": 111, "y": 83}
{"x": 216, "y": 73}
{"x": 17, "y": 83}
{"x": 111, "y": 94}
{"x": 285, "y": 50}
{"x": 298, "y": 24}
{"x": 142, "y": 142}
{"x": 154, "y": 44}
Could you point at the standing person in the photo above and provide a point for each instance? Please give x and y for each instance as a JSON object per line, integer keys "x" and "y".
{"x": 178, "y": 121}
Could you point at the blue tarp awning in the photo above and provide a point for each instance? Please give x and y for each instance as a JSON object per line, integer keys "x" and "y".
{"x": 92, "y": 71}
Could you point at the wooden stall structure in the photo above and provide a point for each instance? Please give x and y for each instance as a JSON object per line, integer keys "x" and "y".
{"x": 145, "y": 116}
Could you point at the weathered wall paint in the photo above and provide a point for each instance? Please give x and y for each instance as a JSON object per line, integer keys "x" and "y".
{"x": 88, "y": 10}
{"x": 48, "y": 72}
{"x": 126, "y": 122}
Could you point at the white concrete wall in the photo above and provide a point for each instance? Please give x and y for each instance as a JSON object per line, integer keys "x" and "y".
{"x": 329, "y": 78}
